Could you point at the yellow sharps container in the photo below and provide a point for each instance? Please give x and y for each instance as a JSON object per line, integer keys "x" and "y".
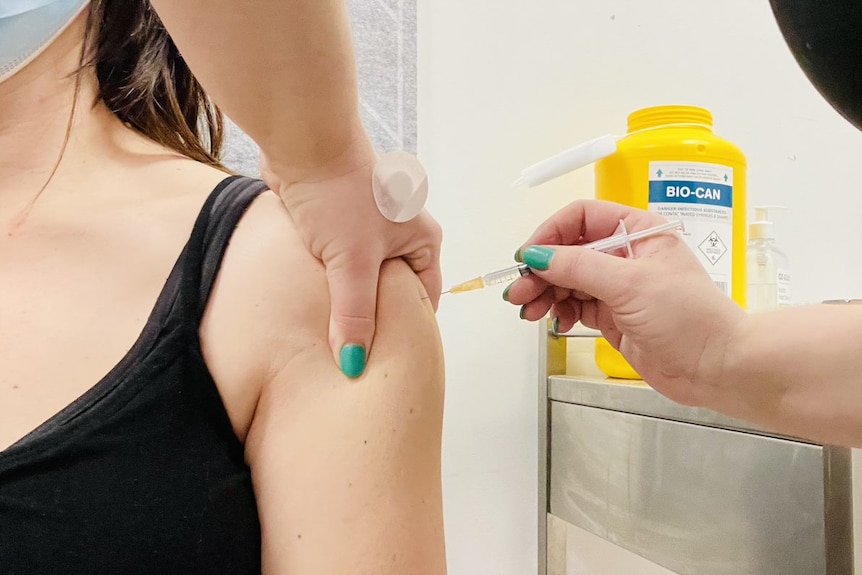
{"x": 671, "y": 163}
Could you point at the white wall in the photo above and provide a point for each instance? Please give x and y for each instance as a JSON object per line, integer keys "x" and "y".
{"x": 503, "y": 83}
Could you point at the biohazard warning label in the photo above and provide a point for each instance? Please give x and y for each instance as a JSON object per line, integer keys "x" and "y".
{"x": 713, "y": 248}
{"x": 701, "y": 195}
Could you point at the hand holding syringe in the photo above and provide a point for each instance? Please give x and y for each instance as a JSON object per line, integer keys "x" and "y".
{"x": 609, "y": 244}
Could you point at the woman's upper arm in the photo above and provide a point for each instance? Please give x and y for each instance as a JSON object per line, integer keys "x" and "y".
{"x": 347, "y": 472}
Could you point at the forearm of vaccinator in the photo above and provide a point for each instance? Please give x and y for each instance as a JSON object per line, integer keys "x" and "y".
{"x": 796, "y": 371}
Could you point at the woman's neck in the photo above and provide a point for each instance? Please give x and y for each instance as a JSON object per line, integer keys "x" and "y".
{"x": 35, "y": 110}
{"x": 43, "y": 142}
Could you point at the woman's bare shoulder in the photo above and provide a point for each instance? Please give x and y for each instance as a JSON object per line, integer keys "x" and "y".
{"x": 270, "y": 298}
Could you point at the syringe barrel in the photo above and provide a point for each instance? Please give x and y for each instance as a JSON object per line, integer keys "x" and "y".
{"x": 506, "y": 275}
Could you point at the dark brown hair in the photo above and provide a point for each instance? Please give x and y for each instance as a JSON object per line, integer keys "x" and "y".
{"x": 145, "y": 82}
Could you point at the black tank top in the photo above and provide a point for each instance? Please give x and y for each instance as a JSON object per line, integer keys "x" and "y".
{"x": 143, "y": 473}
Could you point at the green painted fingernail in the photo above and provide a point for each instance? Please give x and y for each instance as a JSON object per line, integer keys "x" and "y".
{"x": 523, "y": 312}
{"x": 518, "y": 256}
{"x": 352, "y": 360}
{"x": 556, "y": 325}
{"x": 538, "y": 257}
{"x": 506, "y": 292}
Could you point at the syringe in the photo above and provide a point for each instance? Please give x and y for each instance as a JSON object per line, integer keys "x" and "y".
{"x": 609, "y": 244}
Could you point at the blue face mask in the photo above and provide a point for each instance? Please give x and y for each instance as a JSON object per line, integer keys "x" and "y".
{"x": 28, "y": 26}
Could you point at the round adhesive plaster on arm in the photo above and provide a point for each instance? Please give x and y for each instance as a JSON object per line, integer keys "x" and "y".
{"x": 400, "y": 186}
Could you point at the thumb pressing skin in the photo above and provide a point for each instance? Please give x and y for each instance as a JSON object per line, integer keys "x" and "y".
{"x": 353, "y": 294}
{"x": 603, "y": 276}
